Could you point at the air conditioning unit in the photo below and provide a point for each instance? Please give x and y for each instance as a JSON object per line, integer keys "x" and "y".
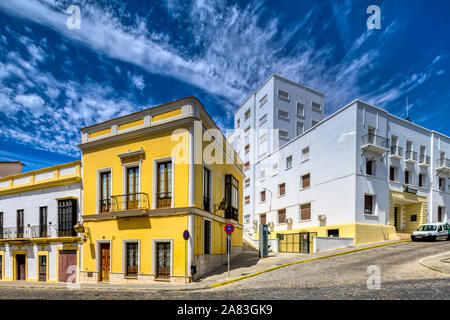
{"x": 322, "y": 217}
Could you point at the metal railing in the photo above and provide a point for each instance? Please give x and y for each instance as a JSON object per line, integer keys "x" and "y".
{"x": 131, "y": 201}
{"x": 164, "y": 200}
{"x": 105, "y": 205}
{"x": 396, "y": 150}
{"x": 231, "y": 213}
{"x": 443, "y": 163}
{"x": 424, "y": 159}
{"x": 375, "y": 140}
{"x": 411, "y": 155}
{"x": 33, "y": 232}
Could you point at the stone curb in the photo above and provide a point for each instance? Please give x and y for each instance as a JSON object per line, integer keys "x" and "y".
{"x": 302, "y": 261}
{"x": 423, "y": 264}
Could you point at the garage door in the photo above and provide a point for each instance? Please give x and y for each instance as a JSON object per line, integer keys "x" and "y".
{"x": 67, "y": 266}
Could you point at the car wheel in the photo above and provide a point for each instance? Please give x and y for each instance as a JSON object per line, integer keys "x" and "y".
{"x": 433, "y": 238}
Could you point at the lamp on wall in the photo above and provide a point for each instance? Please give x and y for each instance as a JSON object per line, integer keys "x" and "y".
{"x": 79, "y": 228}
{"x": 222, "y": 205}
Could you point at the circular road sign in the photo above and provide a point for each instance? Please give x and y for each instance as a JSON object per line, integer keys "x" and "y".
{"x": 186, "y": 235}
{"x": 229, "y": 228}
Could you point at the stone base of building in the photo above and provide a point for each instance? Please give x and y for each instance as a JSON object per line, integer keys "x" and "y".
{"x": 206, "y": 263}
{"x": 121, "y": 278}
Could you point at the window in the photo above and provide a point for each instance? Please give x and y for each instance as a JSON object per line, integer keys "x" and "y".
{"x": 262, "y": 174}
{"x": 305, "y": 154}
{"x": 247, "y": 166}
{"x": 407, "y": 178}
{"x": 247, "y": 219}
{"x": 247, "y": 182}
{"x": 300, "y": 109}
{"x": 333, "y": 233}
{"x": 232, "y": 197}
{"x": 305, "y": 211}
{"x": 164, "y": 187}
{"x": 133, "y": 188}
{"x": 247, "y": 148}
{"x": 413, "y": 218}
{"x": 207, "y": 237}
{"x": 300, "y": 128}
{"x": 247, "y": 131}
{"x": 282, "y": 189}
{"x": 368, "y": 204}
{"x": 305, "y": 181}
{"x": 421, "y": 180}
{"x": 263, "y": 119}
{"x": 288, "y": 162}
{"x": 247, "y": 199}
{"x": 132, "y": 259}
{"x": 316, "y": 106}
{"x": 67, "y": 217}
{"x": 1, "y": 227}
{"x": 314, "y": 122}
{"x": 282, "y": 114}
{"x": 369, "y": 167}
{"x": 19, "y": 223}
{"x": 263, "y": 100}
{"x": 262, "y": 219}
{"x": 442, "y": 184}
{"x": 392, "y": 171}
{"x": 247, "y": 114}
{"x": 43, "y": 222}
{"x": 282, "y": 216}
{"x": 440, "y": 214}
{"x": 206, "y": 189}
{"x": 283, "y": 134}
{"x": 263, "y": 196}
{"x": 238, "y": 123}
{"x": 263, "y": 137}
{"x": 105, "y": 192}
{"x": 1, "y": 267}
{"x": 283, "y": 95}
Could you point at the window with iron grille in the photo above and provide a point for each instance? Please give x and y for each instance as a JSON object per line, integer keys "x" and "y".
{"x": 67, "y": 210}
{"x": 207, "y": 237}
{"x": 282, "y": 216}
{"x": 305, "y": 211}
{"x": 132, "y": 259}
{"x": 231, "y": 197}
{"x": 43, "y": 222}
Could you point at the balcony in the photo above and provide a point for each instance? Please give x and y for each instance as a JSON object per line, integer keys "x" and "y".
{"x": 424, "y": 161}
{"x": 410, "y": 157}
{"x": 231, "y": 213}
{"x": 126, "y": 202}
{"x": 374, "y": 143}
{"x": 35, "y": 232}
{"x": 396, "y": 152}
{"x": 163, "y": 200}
{"x": 443, "y": 165}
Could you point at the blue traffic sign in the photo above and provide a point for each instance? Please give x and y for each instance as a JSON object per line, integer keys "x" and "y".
{"x": 186, "y": 235}
{"x": 229, "y": 228}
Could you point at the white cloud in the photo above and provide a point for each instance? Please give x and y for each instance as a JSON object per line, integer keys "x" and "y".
{"x": 32, "y": 102}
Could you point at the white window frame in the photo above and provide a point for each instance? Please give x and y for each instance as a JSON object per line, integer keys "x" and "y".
{"x": 281, "y": 137}
{"x": 99, "y": 172}
{"x": 305, "y": 158}
{"x": 289, "y": 167}
{"x": 302, "y": 115}
{"x": 282, "y": 117}
{"x": 155, "y": 179}
{"x": 315, "y": 109}
{"x": 296, "y": 127}
{"x": 283, "y": 98}
{"x": 261, "y": 102}
{"x": 263, "y": 120}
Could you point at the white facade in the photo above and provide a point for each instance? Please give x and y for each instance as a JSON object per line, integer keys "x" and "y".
{"x": 270, "y": 117}
{"x": 340, "y": 148}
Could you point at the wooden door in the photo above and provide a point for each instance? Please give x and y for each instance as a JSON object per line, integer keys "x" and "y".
{"x": 20, "y": 258}
{"x": 42, "y": 268}
{"x": 67, "y": 265}
{"x": 163, "y": 260}
{"x": 105, "y": 261}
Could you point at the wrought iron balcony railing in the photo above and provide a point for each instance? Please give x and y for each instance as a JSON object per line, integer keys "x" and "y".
{"x": 411, "y": 155}
{"x": 424, "y": 159}
{"x": 164, "y": 200}
{"x": 375, "y": 140}
{"x": 231, "y": 213}
{"x": 397, "y": 151}
{"x": 39, "y": 231}
{"x": 104, "y": 205}
{"x": 131, "y": 201}
{"x": 443, "y": 163}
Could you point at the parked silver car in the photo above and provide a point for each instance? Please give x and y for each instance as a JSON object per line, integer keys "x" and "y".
{"x": 432, "y": 232}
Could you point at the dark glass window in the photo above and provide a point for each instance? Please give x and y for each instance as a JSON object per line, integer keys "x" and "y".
{"x": 207, "y": 237}
{"x": 132, "y": 259}
{"x": 67, "y": 213}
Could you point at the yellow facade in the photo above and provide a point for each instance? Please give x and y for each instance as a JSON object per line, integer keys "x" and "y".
{"x": 407, "y": 211}
{"x": 151, "y": 226}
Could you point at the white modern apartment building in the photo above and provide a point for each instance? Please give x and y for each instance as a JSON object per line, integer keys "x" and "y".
{"x": 270, "y": 117}
{"x": 38, "y": 212}
{"x": 361, "y": 173}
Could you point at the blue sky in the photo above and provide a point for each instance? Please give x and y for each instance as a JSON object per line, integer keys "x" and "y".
{"x": 131, "y": 55}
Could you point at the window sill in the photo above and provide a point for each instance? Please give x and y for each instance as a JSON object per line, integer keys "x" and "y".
{"x": 304, "y": 160}
{"x": 307, "y": 220}
{"x": 301, "y": 189}
{"x": 281, "y": 195}
{"x": 288, "y": 168}
{"x": 130, "y": 277}
{"x": 367, "y": 215}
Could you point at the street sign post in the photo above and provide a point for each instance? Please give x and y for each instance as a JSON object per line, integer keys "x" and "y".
{"x": 229, "y": 229}
{"x": 186, "y": 236}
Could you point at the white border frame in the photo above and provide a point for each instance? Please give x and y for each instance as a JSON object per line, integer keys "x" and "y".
{"x": 124, "y": 254}
{"x": 125, "y": 167}
{"x": 98, "y": 257}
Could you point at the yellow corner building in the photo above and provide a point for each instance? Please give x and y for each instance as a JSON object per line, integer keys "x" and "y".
{"x": 148, "y": 177}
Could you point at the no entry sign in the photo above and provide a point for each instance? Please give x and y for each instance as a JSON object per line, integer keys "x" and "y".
{"x": 186, "y": 235}
{"x": 229, "y": 228}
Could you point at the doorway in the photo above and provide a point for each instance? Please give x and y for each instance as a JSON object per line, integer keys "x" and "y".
{"x": 42, "y": 268}
{"x": 105, "y": 262}
{"x": 396, "y": 219}
{"x": 163, "y": 260}
{"x": 20, "y": 263}
{"x": 67, "y": 265}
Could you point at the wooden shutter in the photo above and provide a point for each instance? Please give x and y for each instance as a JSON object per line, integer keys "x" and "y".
{"x": 282, "y": 216}
{"x": 306, "y": 181}
{"x": 305, "y": 211}
{"x": 282, "y": 189}
{"x": 263, "y": 219}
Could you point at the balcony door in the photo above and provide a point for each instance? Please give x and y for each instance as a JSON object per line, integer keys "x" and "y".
{"x": 206, "y": 189}
{"x": 164, "y": 187}
{"x": 43, "y": 222}
{"x": 105, "y": 191}
{"x": 133, "y": 188}
{"x": 20, "y": 224}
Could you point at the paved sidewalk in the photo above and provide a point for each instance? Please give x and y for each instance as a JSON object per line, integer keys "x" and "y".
{"x": 245, "y": 264}
{"x": 439, "y": 262}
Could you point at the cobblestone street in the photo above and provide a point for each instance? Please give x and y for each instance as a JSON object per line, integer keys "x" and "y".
{"x": 340, "y": 277}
